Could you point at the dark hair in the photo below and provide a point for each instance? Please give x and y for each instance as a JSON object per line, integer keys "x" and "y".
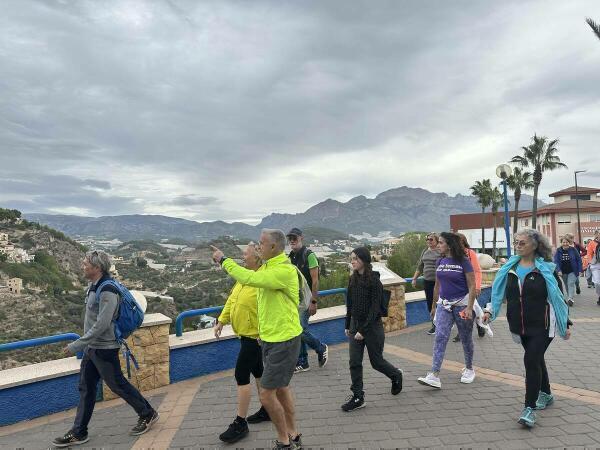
{"x": 456, "y": 247}
{"x": 463, "y": 240}
{"x": 365, "y": 278}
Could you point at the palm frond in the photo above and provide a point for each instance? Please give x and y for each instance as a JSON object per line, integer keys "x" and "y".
{"x": 594, "y": 26}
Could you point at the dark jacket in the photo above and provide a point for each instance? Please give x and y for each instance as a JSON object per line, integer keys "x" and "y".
{"x": 363, "y": 305}
{"x": 576, "y": 263}
{"x": 527, "y": 308}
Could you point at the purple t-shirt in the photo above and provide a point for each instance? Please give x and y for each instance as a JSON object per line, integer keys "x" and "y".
{"x": 451, "y": 276}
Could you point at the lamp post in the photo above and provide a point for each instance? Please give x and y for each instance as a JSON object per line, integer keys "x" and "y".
{"x": 577, "y": 205}
{"x": 504, "y": 171}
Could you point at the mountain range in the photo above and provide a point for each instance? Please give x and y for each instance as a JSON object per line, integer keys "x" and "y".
{"x": 393, "y": 211}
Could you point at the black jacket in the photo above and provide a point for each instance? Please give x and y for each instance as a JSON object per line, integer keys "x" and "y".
{"x": 527, "y": 308}
{"x": 363, "y": 305}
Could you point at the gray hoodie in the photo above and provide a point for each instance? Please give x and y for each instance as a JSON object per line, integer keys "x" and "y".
{"x": 98, "y": 329}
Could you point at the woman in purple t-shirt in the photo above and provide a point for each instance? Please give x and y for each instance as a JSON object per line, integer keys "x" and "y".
{"x": 454, "y": 293}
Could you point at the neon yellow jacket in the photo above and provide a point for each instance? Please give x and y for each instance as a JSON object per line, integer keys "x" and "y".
{"x": 277, "y": 296}
{"x": 240, "y": 311}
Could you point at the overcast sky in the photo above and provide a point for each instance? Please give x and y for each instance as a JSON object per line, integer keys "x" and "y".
{"x": 233, "y": 110}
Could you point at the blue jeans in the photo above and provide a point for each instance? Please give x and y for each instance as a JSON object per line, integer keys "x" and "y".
{"x": 308, "y": 339}
{"x": 569, "y": 279}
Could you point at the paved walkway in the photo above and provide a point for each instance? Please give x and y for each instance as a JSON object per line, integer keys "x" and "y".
{"x": 481, "y": 415}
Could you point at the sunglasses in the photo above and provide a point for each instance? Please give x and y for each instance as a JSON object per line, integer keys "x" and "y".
{"x": 521, "y": 243}
{"x": 292, "y": 238}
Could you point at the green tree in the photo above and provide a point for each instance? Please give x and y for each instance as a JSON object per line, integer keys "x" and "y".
{"x": 594, "y": 26}
{"x": 406, "y": 254}
{"x": 541, "y": 155}
{"x": 518, "y": 182}
{"x": 495, "y": 202}
{"x": 482, "y": 190}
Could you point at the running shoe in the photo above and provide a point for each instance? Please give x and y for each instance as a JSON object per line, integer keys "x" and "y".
{"x": 528, "y": 417}
{"x": 69, "y": 439}
{"x": 544, "y": 400}
{"x": 468, "y": 376}
{"x": 302, "y": 367}
{"x": 259, "y": 416}
{"x": 144, "y": 424}
{"x": 236, "y": 431}
{"x": 570, "y": 302}
{"x": 323, "y": 357}
{"x": 397, "y": 384}
{"x": 354, "y": 402}
{"x": 430, "y": 380}
{"x": 431, "y": 331}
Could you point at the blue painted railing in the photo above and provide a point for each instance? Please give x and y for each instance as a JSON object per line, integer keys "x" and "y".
{"x": 35, "y": 342}
{"x": 214, "y": 309}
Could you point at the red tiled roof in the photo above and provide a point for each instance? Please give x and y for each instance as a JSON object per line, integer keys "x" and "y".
{"x": 568, "y": 206}
{"x": 571, "y": 190}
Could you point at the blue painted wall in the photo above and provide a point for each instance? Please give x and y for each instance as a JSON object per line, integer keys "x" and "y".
{"x": 189, "y": 362}
{"x": 38, "y": 399}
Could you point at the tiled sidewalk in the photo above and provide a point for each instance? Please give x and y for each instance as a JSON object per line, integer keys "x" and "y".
{"x": 481, "y": 415}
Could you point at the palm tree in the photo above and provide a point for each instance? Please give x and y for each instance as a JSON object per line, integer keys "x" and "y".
{"x": 541, "y": 156}
{"x": 482, "y": 190}
{"x": 519, "y": 181}
{"x": 594, "y": 26}
{"x": 496, "y": 200}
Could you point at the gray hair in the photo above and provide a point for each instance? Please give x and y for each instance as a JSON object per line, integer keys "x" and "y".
{"x": 100, "y": 259}
{"x": 541, "y": 242}
{"x": 276, "y": 236}
{"x": 254, "y": 247}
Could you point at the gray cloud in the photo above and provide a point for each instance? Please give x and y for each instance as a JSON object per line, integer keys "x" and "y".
{"x": 173, "y": 105}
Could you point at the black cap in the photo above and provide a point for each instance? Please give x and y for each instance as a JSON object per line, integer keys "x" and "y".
{"x": 363, "y": 254}
{"x": 295, "y": 232}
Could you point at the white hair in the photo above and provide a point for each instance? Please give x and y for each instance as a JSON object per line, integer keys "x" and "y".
{"x": 276, "y": 236}
{"x": 100, "y": 259}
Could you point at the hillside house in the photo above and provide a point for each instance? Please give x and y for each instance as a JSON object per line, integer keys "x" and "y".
{"x": 15, "y": 285}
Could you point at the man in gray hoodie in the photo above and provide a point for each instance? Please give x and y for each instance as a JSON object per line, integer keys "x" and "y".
{"x": 101, "y": 355}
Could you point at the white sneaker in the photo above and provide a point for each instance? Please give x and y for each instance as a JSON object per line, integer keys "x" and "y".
{"x": 468, "y": 376}
{"x": 430, "y": 380}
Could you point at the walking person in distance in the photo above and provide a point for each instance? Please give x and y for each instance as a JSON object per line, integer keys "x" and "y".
{"x": 426, "y": 267}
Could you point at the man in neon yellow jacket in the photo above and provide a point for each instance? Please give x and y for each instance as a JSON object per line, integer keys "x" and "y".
{"x": 279, "y": 328}
{"x": 241, "y": 312}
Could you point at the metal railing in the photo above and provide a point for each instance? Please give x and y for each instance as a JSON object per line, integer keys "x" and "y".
{"x": 214, "y": 309}
{"x": 35, "y": 342}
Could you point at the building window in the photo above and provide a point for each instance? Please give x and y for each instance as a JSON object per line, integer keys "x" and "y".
{"x": 581, "y": 197}
{"x": 594, "y": 217}
{"x": 526, "y": 222}
{"x": 564, "y": 218}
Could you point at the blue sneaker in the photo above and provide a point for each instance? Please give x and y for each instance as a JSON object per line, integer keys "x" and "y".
{"x": 544, "y": 400}
{"x": 527, "y": 417}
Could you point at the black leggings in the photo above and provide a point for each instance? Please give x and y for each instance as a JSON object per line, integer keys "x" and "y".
{"x": 536, "y": 374}
{"x": 249, "y": 361}
{"x": 428, "y": 286}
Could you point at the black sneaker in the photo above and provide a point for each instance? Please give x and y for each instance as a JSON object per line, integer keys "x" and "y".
{"x": 296, "y": 442}
{"x": 302, "y": 367}
{"x": 323, "y": 357}
{"x": 354, "y": 402}
{"x": 70, "y": 439}
{"x": 236, "y": 431}
{"x": 480, "y": 331}
{"x": 397, "y": 384}
{"x": 144, "y": 424}
{"x": 578, "y": 290}
{"x": 431, "y": 331}
{"x": 259, "y": 416}
{"x": 457, "y": 338}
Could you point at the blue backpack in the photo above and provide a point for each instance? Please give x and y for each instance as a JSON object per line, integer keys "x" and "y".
{"x": 129, "y": 318}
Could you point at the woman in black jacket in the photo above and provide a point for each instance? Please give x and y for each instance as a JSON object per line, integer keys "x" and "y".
{"x": 364, "y": 328}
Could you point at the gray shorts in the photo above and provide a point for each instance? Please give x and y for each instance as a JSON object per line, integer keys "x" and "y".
{"x": 279, "y": 360}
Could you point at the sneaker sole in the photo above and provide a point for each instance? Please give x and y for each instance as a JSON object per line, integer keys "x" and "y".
{"x": 525, "y": 423}
{"x": 231, "y": 441}
{"x": 354, "y": 409}
{"x": 83, "y": 441}
{"x": 152, "y": 422}
{"x": 301, "y": 370}
{"x": 424, "y": 383}
{"x": 467, "y": 381}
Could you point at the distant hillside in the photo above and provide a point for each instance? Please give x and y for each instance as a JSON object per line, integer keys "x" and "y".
{"x": 396, "y": 210}
{"x": 140, "y": 227}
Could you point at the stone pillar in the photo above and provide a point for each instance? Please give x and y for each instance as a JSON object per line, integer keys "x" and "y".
{"x": 396, "y": 319}
{"x": 150, "y": 345}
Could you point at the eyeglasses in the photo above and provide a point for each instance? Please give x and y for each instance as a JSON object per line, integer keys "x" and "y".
{"x": 521, "y": 243}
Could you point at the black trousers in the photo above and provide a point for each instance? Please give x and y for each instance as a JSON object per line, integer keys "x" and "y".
{"x": 428, "y": 286}
{"x": 104, "y": 364}
{"x": 373, "y": 340}
{"x": 249, "y": 361}
{"x": 536, "y": 374}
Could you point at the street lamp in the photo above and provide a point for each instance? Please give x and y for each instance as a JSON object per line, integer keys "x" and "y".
{"x": 577, "y": 204}
{"x": 504, "y": 171}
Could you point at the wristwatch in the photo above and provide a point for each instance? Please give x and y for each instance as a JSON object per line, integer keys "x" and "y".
{"x": 223, "y": 258}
